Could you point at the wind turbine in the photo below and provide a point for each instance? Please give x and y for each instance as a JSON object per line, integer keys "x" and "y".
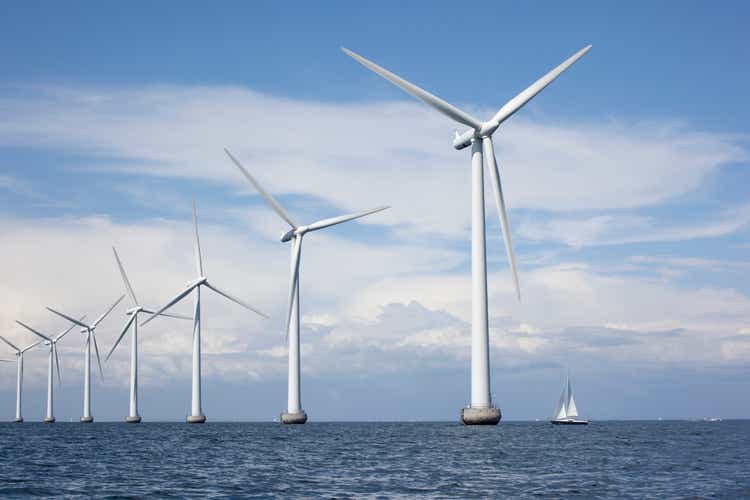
{"x": 197, "y": 416}
{"x": 19, "y": 378}
{"x": 90, "y": 332}
{"x": 133, "y": 415}
{"x": 479, "y": 137}
{"x": 54, "y": 359}
{"x": 294, "y": 413}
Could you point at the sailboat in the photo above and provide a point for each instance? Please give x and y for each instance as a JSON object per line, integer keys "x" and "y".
{"x": 566, "y": 412}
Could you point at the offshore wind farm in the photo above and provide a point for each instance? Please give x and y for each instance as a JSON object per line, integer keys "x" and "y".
{"x": 418, "y": 348}
{"x": 481, "y": 411}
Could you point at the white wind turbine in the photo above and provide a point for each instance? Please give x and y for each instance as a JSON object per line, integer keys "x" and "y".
{"x": 133, "y": 415}
{"x": 295, "y": 414}
{"x": 54, "y": 362}
{"x": 19, "y": 377}
{"x": 90, "y": 332}
{"x": 479, "y": 137}
{"x": 197, "y": 416}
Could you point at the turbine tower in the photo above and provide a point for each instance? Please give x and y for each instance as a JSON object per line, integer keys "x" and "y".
{"x": 54, "y": 362}
{"x": 197, "y": 416}
{"x": 133, "y": 416}
{"x": 90, "y": 332}
{"x": 294, "y": 413}
{"x": 19, "y": 378}
{"x": 479, "y": 137}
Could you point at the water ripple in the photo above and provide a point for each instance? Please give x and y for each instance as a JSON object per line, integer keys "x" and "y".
{"x": 375, "y": 460}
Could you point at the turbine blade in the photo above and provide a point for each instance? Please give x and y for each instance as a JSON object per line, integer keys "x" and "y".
{"x": 517, "y": 102}
{"x": 34, "y": 331}
{"x": 124, "y": 331}
{"x": 72, "y": 320}
{"x": 178, "y": 316}
{"x": 10, "y": 344}
{"x": 235, "y": 300}
{"x": 296, "y": 257}
{"x": 343, "y": 218}
{"x": 270, "y": 199}
{"x": 106, "y": 313}
{"x": 197, "y": 243}
{"x": 125, "y": 279}
{"x": 64, "y": 333}
{"x": 57, "y": 364}
{"x": 96, "y": 350}
{"x": 497, "y": 189}
{"x": 172, "y": 302}
{"x": 30, "y": 346}
{"x": 424, "y": 96}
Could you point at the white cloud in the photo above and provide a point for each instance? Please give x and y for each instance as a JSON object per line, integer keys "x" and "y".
{"x": 387, "y": 152}
{"x": 616, "y": 229}
{"x": 374, "y": 319}
{"x": 386, "y": 305}
{"x": 67, "y": 263}
{"x": 17, "y": 186}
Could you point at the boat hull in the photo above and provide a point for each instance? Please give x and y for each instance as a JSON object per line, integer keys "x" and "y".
{"x": 569, "y": 421}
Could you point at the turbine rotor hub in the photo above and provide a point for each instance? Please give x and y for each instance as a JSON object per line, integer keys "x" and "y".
{"x": 287, "y": 236}
{"x": 488, "y": 128}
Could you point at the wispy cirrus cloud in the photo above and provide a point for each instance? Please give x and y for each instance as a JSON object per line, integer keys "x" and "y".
{"x": 617, "y": 229}
{"x": 392, "y": 152}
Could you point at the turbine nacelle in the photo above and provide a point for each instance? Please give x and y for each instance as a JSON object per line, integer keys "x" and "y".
{"x": 196, "y": 282}
{"x": 297, "y": 231}
{"x": 134, "y": 310}
{"x": 287, "y": 236}
{"x": 464, "y": 140}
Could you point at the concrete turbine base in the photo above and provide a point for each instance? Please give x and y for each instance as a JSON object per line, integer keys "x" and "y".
{"x": 480, "y": 416}
{"x": 133, "y": 420}
{"x": 49, "y": 420}
{"x": 86, "y": 420}
{"x": 18, "y": 420}
{"x": 299, "y": 417}
{"x": 196, "y": 419}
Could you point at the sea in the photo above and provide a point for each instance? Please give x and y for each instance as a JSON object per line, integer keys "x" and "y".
{"x": 615, "y": 459}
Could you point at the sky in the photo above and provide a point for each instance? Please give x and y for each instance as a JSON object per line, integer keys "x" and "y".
{"x": 626, "y": 180}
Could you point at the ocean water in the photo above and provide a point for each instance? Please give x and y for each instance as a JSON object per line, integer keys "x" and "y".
{"x": 514, "y": 459}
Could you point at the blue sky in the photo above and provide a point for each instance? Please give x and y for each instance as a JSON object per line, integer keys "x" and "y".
{"x": 626, "y": 179}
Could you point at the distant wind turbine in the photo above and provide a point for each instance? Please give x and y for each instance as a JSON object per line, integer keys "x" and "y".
{"x": 479, "y": 137}
{"x": 295, "y": 414}
{"x": 133, "y": 415}
{"x": 197, "y": 416}
{"x": 90, "y": 332}
{"x": 54, "y": 362}
{"x": 19, "y": 378}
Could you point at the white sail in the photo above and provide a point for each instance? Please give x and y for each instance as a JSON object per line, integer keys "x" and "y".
{"x": 571, "y": 409}
{"x": 560, "y": 408}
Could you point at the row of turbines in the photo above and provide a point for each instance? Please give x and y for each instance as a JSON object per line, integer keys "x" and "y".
{"x": 481, "y": 411}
